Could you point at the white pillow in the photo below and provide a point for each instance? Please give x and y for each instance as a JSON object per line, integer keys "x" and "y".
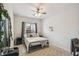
{"x": 25, "y": 36}
{"x": 35, "y": 34}
{"x": 32, "y": 35}
{"x": 28, "y": 34}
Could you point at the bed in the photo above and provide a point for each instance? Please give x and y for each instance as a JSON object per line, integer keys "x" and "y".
{"x": 30, "y": 35}
{"x": 32, "y": 41}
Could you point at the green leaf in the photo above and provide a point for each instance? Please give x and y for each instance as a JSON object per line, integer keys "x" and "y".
{"x": 5, "y": 14}
{"x": 1, "y": 45}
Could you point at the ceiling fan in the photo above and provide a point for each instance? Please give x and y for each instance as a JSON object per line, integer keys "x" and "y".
{"x": 39, "y": 11}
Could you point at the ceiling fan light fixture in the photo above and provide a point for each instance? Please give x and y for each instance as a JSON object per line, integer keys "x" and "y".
{"x": 38, "y": 14}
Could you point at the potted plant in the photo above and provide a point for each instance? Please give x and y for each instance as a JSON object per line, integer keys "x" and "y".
{"x": 3, "y": 14}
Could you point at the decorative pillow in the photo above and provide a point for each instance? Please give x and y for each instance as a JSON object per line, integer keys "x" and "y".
{"x": 25, "y": 36}
{"x": 32, "y": 35}
{"x": 28, "y": 34}
{"x": 35, "y": 34}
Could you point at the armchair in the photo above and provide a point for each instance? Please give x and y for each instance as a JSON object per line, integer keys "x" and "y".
{"x": 74, "y": 49}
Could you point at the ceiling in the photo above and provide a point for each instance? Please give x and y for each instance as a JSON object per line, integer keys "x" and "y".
{"x": 26, "y": 9}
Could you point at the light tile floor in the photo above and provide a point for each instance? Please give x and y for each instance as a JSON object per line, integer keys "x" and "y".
{"x": 48, "y": 51}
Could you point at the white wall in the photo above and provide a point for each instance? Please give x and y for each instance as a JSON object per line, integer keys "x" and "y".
{"x": 10, "y": 12}
{"x": 64, "y": 20}
{"x": 18, "y": 24}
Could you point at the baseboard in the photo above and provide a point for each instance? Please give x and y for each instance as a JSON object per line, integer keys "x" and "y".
{"x": 53, "y": 44}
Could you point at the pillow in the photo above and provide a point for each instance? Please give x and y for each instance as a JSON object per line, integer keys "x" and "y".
{"x": 25, "y": 36}
{"x": 35, "y": 34}
{"x": 28, "y": 34}
{"x": 32, "y": 35}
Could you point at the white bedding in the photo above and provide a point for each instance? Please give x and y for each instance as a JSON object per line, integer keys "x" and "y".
{"x": 35, "y": 41}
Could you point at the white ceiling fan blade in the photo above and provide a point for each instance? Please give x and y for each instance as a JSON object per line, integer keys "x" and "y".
{"x": 44, "y": 13}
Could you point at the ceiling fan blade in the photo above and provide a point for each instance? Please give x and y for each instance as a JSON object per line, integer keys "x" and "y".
{"x": 34, "y": 10}
{"x": 44, "y": 13}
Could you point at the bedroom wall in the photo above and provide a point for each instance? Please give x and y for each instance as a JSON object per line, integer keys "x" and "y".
{"x": 18, "y": 24}
{"x": 64, "y": 18}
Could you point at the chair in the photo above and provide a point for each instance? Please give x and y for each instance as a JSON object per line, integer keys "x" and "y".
{"x": 10, "y": 52}
{"x": 74, "y": 49}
